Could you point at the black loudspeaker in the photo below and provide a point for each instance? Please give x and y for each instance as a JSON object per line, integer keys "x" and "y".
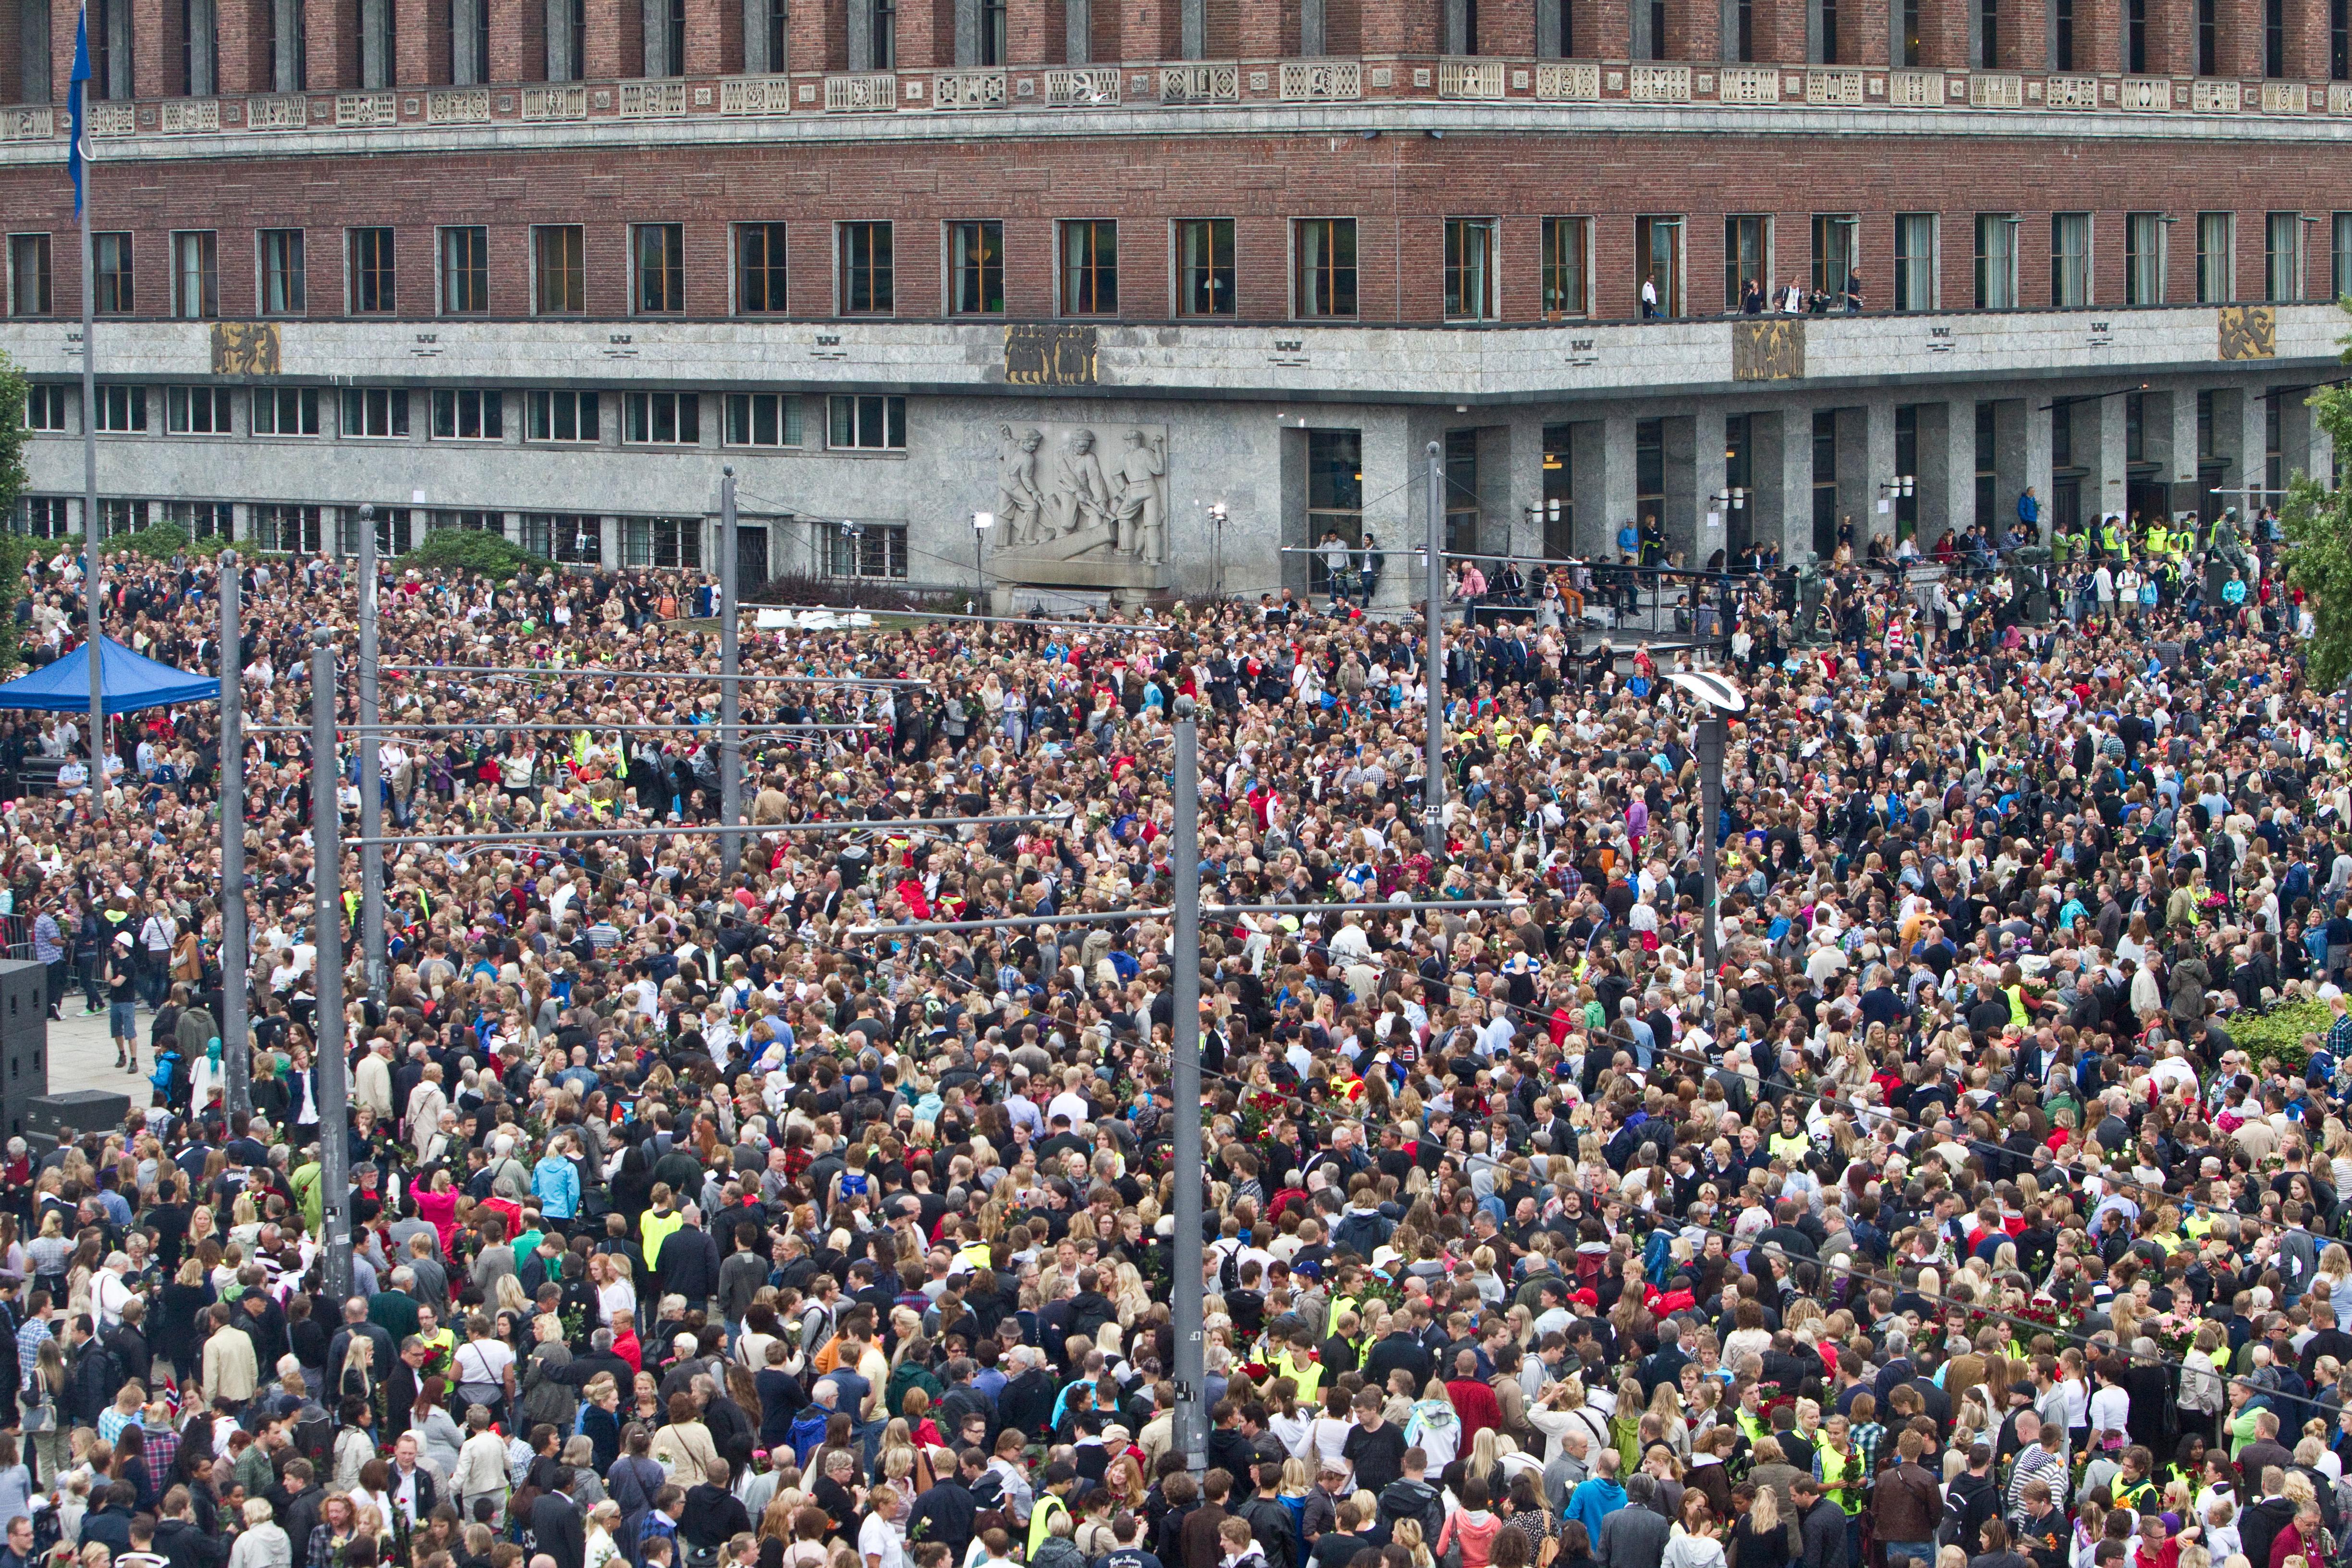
{"x": 83, "y": 1109}
{"x": 24, "y": 1042}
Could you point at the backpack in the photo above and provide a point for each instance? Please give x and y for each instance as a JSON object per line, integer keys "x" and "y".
{"x": 807, "y": 1432}
{"x": 314, "y": 1437}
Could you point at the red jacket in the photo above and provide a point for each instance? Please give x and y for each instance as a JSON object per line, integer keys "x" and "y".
{"x": 1475, "y": 1403}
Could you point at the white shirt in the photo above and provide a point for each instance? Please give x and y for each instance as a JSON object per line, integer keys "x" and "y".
{"x": 1070, "y": 1104}
{"x": 878, "y": 1542}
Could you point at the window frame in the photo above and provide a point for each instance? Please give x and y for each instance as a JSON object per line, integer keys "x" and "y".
{"x": 2150, "y": 260}
{"x": 882, "y": 543}
{"x": 373, "y": 264}
{"x": 739, "y": 421}
{"x": 886, "y": 411}
{"x": 1647, "y": 226}
{"x": 22, "y": 246}
{"x": 393, "y": 405}
{"x": 1552, "y": 272}
{"x": 1461, "y": 269}
{"x": 878, "y": 271}
{"x": 1082, "y": 282}
{"x": 303, "y": 400}
{"x": 121, "y": 409}
{"x": 642, "y": 541}
{"x": 201, "y": 280}
{"x": 2081, "y": 264}
{"x": 2296, "y": 258}
{"x": 955, "y": 237}
{"x": 2225, "y": 261}
{"x": 462, "y": 259}
{"x": 1217, "y": 279}
{"x": 1332, "y": 274}
{"x": 657, "y": 281}
{"x": 1825, "y": 226}
{"x": 1898, "y": 293}
{"x": 539, "y": 414}
{"x": 53, "y": 401}
{"x": 123, "y": 277}
{"x": 454, "y": 409}
{"x": 2005, "y": 225}
{"x": 567, "y": 271}
{"x": 290, "y": 266}
{"x": 773, "y": 268}
{"x": 641, "y": 411}
{"x": 181, "y": 405}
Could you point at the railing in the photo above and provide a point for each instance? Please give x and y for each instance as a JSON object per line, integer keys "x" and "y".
{"x": 1216, "y": 82}
{"x": 1469, "y": 79}
{"x": 756, "y": 95}
{"x": 458, "y": 105}
{"x": 867, "y": 92}
{"x": 2075, "y": 94}
{"x": 561, "y": 101}
{"x": 1094, "y": 87}
{"x": 1321, "y": 82}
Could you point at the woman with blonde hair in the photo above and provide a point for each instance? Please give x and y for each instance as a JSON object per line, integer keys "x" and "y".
{"x": 604, "y": 1526}
{"x": 1666, "y": 1404}
{"x": 1406, "y": 1533}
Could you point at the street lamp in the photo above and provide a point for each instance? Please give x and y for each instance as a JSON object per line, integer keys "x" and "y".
{"x": 981, "y": 521}
{"x": 1720, "y": 697}
{"x": 1903, "y": 486}
{"x": 1217, "y": 556}
{"x": 1736, "y": 498}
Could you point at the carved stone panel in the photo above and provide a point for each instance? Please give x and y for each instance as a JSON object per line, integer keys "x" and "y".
{"x": 1082, "y": 505}
{"x": 2249, "y": 332}
{"x": 245, "y": 348}
{"x": 1767, "y": 350}
{"x": 1049, "y": 353}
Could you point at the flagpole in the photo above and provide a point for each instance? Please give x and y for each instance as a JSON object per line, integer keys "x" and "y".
{"x": 92, "y": 529}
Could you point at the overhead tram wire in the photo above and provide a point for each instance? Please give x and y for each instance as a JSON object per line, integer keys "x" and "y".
{"x": 589, "y": 672}
{"x": 1095, "y": 917}
{"x": 751, "y": 829}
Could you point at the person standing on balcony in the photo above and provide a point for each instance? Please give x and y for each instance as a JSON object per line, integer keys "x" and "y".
{"x": 2029, "y": 512}
{"x": 1649, "y": 298}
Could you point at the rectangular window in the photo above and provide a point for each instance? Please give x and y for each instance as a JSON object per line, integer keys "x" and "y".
{"x": 885, "y": 34}
{"x": 2340, "y": 258}
{"x": 867, "y": 424}
{"x": 122, "y": 410}
{"x": 394, "y": 531}
{"x": 2142, "y": 258}
{"x": 1089, "y": 266}
{"x": 374, "y": 413}
{"x": 373, "y": 273}
{"x": 466, "y": 522}
{"x": 1335, "y": 496}
{"x": 1470, "y": 269}
{"x": 1658, "y": 253}
{"x": 1324, "y": 267}
{"x": 287, "y": 529}
{"x": 2061, "y": 39}
{"x": 759, "y": 269}
{"x": 976, "y": 267}
{"x": 1462, "y": 515}
{"x": 463, "y": 414}
{"x": 31, "y": 282}
{"x": 2339, "y": 40}
{"x": 465, "y": 270}
{"x": 2274, "y": 37}
{"x": 558, "y": 266}
{"x": 202, "y": 519}
{"x": 118, "y": 515}
{"x": 111, "y": 256}
{"x": 1744, "y": 258}
{"x": 672, "y": 542}
{"x": 44, "y": 517}
{"x": 45, "y": 406}
{"x": 1836, "y": 238}
{"x": 1988, "y": 35}
{"x": 2070, "y": 260}
{"x": 1996, "y": 261}
{"x": 1915, "y": 261}
{"x": 2216, "y": 235}
{"x": 1204, "y": 266}
{"x": 763, "y": 420}
{"x": 777, "y": 17}
{"x": 197, "y": 411}
{"x": 869, "y": 549}
{"x": 661, "y": 419}
{"x": 195, "y": 275}
{"x": 1567, "y": 260}
{"x": 869, "y": 286}
{"x": 992, "y": 32}
{"x": 284, "y": 290}
{"x": 2283, "y": 257}
{"x": 2209, "y": 37}
{"x": 286, "y": 410}
{"x": 2136, "y": 35}
{"x": 574, "y": 538}
{"x": 563, "y": 415}
{"x": 658, "y": 253}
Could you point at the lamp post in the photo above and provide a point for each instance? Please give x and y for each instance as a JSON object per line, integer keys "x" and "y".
{"x": 981, "y": 521}
{"x": 1217, "y": 549}
{"x": 1720, "y": 697}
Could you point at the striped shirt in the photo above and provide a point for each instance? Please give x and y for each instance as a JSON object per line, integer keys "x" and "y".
{"x": 30, "y": 1340}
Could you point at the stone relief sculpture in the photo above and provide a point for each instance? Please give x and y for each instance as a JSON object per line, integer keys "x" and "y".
{"x": 1083, "y": 503}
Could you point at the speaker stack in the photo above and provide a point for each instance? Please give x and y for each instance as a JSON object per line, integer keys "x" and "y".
{"x": 24, "y": 1042}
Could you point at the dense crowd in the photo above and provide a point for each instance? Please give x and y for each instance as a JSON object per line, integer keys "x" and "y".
{"x": 1978, "y": 1213}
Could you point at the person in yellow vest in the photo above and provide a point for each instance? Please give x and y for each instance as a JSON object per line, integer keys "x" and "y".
{"x": 660, "y": 1222}
{"x": 1790, "y": 1142}
{"x": 1061, "y": 1480}
{"x": 1296, "y": 1360}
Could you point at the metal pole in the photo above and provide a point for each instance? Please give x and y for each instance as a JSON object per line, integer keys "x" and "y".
{"x": 372, "y": 940}
{"x": 1433, "y": 725}
{"x": 1184, "y": 1291}
{"x": 730, "y": 690}
{"x": 327, "y": 890}
{"x": 236, "y": 1059}
{"x": 92, "y": 531}
{"x": 1711, "y": 731}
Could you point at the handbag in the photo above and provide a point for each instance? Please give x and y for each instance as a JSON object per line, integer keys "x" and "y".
{"x": 41, "y": 1414}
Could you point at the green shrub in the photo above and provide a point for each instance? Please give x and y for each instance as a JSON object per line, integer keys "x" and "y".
{"x": 159, "y": 543}
{"x": 467, "y": 551}
{"x": 2277, "y": 1035}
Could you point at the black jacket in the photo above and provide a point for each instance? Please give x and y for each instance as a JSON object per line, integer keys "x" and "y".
{"x": 944, "y": 1513}
{"x": 185, "y": 1544}
{"x": 556, "y": 1526}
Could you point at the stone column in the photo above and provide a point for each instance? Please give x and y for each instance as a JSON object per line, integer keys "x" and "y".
{"x": 2180, "y": 458}
{"x": 421, "y": 43}
{"x": 2242, "y": 38}
{"x": 155, "y": 63}
{"x": 615, "y": 38}
{"x": 2020, "y": 458}
{"x": 1948, "y": 467}
{"x": 1395, "y": 472}
{"x": 1710, "y": 527}
{"x": 331, "y": 55}
{"x": 377, "y": 67}
{"x": 2252, "y": 435}
{"x": 2109, "y": 467}
{"x": 1310, "y": 27}
{"x": 32, "y": 35}
{"x": 1192, "y": 29}
{"x": 1877, "y": 466}
{"x": 655, "y": 21}
{"x": 1619, "y": 483}
{"x": 1784, "y": 468}
{"x": 285, "y": 62}
{"x": 466, "y": 68}
{"x": 243, "y": 66}
{"x": 124, "y": 43}
{"x": 1078, "y": 30}
{"x": 1026, "y": 34}
{"x": 203, "y": 51}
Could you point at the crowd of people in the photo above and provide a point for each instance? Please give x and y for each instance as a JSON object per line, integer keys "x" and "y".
{"x": 1977, "y": 1212}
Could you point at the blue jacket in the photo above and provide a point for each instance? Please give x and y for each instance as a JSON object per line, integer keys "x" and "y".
{"x": 556, "y": 1184}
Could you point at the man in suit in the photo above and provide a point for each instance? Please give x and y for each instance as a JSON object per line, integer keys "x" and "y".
{"x": 1635, "y": 1535}
{"x": 556, "y": 1527}
{"x": 413, "y": 1486}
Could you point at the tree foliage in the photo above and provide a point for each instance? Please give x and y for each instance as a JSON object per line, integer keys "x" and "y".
{"x": 2318, "y": 524}
{"x": 465, "y": 550}
{"x": 11, "y": 435}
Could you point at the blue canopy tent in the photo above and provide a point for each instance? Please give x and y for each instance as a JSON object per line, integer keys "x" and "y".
{"x": 129, "y": 682}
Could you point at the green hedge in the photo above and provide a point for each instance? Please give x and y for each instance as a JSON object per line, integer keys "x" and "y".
{"x": 2277, "y": 1035}
{"x": 464, "y": 550}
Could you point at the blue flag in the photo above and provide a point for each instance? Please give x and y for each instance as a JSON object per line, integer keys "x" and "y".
{"x": 80, "y": 91}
